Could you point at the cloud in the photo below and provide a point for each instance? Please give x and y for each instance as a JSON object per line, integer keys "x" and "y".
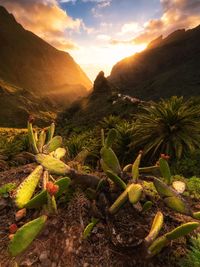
{"x": 177, "y": 14}
{"x": 101, "y": 4}
{"x": 46, "y": 19}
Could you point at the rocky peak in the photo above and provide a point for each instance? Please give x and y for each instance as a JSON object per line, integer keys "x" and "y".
{"x": 101, "y": 84}
{"x": 7, "y": 20}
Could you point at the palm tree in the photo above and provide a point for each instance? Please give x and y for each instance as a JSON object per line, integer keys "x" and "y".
{"x": 171, "y": 126}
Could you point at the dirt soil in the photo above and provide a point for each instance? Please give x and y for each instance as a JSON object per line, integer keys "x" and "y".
{"x": 116, "y": 241}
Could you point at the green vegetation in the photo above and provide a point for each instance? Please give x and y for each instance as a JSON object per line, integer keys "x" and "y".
{"x": 192, "y": 258}
{"x": 6, "y": 189}
{"x": 169, "y": 126}
{"x": 124, "y": 180}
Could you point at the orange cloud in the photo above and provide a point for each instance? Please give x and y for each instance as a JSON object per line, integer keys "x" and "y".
{"x": 46, "y": 19}
{"x": 177, "y": 14}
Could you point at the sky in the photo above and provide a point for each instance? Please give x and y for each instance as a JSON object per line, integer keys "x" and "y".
{"x": 99, "y": 33}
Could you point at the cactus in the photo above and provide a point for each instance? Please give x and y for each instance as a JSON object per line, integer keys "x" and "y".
{"x": 157, "y": 246}
{"x": 31, "y": 138}
{"x": 27, "y": 187}
{"x": 40, "y": 199}
{"x": 135, "y": 168}
{"x": 134, "y": 193}
{"x": 52, "y": 145}
{"x": 59, "y": 153}
{"x": 116, "y": 179}
{"x": 110, "y": 160}
{"x": 196, "y": 215}
{"x": 155, "y": 228}
{"x": 89, "y": 227}
{"x": 50, "y": 132}
{"x": 162, "y": 241}
{"x": 165, "y": 170}
{"x": 182, "y": 230}
{"x": 81, "y": 157}
{"x": 41, "y": 141}
{"x": 112, "y": 135}
{"x": 119, "y": 202}
{"x": 162, "y": 189}
{"x": 53, "y": 165}
{"x": 171, "y": 197}
{"x": 178, "y": 204}
{"x": 147, "y": 206}
{"x": 25, "y": 235}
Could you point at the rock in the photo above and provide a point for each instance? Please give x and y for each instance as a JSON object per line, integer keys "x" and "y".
{"x": 3, "y": 203}
{"x": 179, "y": 186}
{"x": 44, "y": 256}
{"x": 20, "y": 214}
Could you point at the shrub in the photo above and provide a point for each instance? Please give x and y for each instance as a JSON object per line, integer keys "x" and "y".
{"x": 192, "y": 258}
{"x": 171, "y": 126}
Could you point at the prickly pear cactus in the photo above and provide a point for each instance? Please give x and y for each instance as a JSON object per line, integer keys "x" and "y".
{"x": 53, "y": 165}
{"x": 25, "y": 235}
{"x": 27, "y": 187}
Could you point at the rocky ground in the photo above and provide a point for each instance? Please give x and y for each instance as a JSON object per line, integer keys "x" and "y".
{"x": 115, "y": 241}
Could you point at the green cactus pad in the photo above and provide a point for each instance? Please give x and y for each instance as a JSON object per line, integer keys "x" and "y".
{"x": 55, "y": 143}
{"x": 165, "y": 170}
{"x": 135, "y": 168}
{"x": 196, "y": 215}
{"x": 119, "y": 202}
{"x": 89, "y": 227}
{"x": 40, "y": 199}
{"x": 177, "y": 204}
{"x": 41, "y": 140}
{"x": 147, "y": 206}
{"x": 25, "y": 235}
{"x": 31, "y": 138}
{"x": 157, "y": 246}
{"x": 110, "y": 159}
{"x": 134, "y": 193}
{"x": 81, "y": 157}
{"x": 27, "y": 187}
{"x": 163, "y": 189}
{"x": 112, "y": 136}
{"x": 50, "y": 132}
{"x": 116, "y": 179}
{"x": 104, "y": 167}
{"x": 59, "y": 152}
{"x": 127, "y": 168}
{"x": 182, "y": 230}
{"x": 155, "y": 228}
{"x": 53, "y": 165}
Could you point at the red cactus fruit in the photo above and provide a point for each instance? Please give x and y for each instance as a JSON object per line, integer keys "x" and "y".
{"x": 165, "y": 156}
{"x": 52, "y": 188}
{"x": 13, "y": 228}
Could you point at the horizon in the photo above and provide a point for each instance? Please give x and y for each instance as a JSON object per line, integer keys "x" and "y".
{"x": 95, "y": 34}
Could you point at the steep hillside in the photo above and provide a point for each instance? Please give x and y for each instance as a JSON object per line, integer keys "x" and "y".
{"x": 169, "y": 66}
{"x": 29, "y": 64}
{"x": 102, "y": 102}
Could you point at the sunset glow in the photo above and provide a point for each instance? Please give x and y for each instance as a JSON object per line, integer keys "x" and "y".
{"x": 99, "y": 33}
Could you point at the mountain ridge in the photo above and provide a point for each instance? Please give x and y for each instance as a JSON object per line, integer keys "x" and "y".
{"x": 31, "y": 65}
{"x": 171, "y": 63}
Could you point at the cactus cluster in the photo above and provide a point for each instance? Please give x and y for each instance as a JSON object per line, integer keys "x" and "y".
{"x": 48, "y": 154}
{"x": 133, "y": 192}
{"x": 127, "y": 182}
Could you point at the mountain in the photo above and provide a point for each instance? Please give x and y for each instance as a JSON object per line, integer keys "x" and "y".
{"x": 169, "y": 66}
{"x": 103, "y": 101}
{"x": 34, "y": 76}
